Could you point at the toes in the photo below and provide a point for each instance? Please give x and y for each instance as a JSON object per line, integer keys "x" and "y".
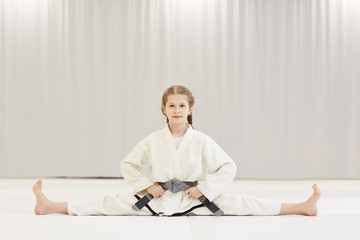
{"x": 37, "y": 185}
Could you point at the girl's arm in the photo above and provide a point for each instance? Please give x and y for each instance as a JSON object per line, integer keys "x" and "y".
{"x": 132, "y": 165}
{"x": 220, "y": 170}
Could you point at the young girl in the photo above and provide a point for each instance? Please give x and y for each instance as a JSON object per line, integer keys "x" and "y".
{"x": 201, "y": 168}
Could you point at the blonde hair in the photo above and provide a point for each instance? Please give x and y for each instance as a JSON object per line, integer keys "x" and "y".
{"x": 178, "y": 89}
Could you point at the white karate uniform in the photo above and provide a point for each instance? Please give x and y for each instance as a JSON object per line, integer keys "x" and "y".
{"x": 197, "y": 158}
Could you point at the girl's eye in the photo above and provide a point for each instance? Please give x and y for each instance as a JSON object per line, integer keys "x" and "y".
{"x": 171, "y": 105}
{"x": 182, "y": 105}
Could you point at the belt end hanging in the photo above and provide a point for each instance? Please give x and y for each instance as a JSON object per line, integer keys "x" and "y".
{"x": 219, "y": 213}
{"x": 135, "y": 208}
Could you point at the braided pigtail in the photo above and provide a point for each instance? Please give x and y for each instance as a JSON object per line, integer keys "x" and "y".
{"x": 189, "y": 119}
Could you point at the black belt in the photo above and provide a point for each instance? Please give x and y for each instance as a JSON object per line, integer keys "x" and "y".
{"x": 175, "y": 186}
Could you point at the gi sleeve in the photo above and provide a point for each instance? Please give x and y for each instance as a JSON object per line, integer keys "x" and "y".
{"x": 132, "y": 165}
{"x": 220, "y": 170}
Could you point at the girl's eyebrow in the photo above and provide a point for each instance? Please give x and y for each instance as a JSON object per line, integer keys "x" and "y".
{"x": 179, "y": 103}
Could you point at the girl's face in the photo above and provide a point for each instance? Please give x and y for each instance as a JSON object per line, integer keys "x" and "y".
{"x": 177, "y": 109}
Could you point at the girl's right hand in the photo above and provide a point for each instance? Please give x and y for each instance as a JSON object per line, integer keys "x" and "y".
{"x": 155, "y": 190}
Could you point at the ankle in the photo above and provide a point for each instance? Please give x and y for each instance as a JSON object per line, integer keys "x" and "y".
{"x": 303, "y": 207}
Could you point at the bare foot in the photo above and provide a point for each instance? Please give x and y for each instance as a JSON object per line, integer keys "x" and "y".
{"x": 42, "y": 203}
{"x": 310, "y": 205}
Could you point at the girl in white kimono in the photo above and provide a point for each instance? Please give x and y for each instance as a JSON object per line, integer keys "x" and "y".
{"x": 177, "y": 152}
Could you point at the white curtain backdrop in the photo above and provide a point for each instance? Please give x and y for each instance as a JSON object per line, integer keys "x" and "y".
{"x": 276, "y": 82}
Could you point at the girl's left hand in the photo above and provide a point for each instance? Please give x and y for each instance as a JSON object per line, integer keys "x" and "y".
{"x": 194, "y": 192}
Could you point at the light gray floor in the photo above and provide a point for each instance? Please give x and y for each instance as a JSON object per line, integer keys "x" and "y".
{"x": 339, "y": 213}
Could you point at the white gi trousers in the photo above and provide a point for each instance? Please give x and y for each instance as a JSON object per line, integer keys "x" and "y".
{"x": 116, "y": 204}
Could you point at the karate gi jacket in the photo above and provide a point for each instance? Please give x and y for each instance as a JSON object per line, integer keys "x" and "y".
{"x": 198, "y": 158}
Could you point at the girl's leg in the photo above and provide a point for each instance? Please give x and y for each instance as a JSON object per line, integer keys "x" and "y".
{"x": 45, "y": 206}
{"x": 108, "y": 204}
{"x": 308, "y": 208}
